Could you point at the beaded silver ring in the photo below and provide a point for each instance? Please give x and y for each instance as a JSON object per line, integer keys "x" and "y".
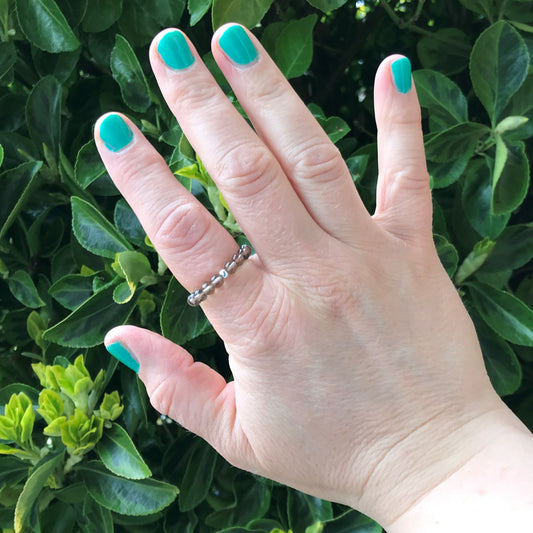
{"x": 216, "y": 281}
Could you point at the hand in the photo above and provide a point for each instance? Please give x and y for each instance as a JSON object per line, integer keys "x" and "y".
{"x": 358, "y": 376}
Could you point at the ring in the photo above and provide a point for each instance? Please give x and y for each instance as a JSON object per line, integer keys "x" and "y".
{"x": 198, "y": 296}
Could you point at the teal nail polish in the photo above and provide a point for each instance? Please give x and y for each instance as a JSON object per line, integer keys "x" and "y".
{"x": 115, "y": 133}
{"x": 237, "y": 45}
{"x": 175, "y": 51}
{"x": 401, "y": 73}
{"x": 117, "y": 350}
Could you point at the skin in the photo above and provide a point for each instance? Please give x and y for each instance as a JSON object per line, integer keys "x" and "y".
{"x": 358, "y": 376}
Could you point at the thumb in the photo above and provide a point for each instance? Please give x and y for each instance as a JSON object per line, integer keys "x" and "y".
{"x": 189, "y": 392}
{"x": 403, "y": 203}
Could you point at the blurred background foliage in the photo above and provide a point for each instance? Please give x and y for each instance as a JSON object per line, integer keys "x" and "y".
{"x": 74, "y": 260}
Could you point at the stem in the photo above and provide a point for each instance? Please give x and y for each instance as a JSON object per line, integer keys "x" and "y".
{"x": 409, "y": 25}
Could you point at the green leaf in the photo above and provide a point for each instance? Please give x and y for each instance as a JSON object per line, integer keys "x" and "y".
{"x": 458, "y": 141}
{"x": 23, "y": 289}
{"x": 43, "y": 115}
{"x": 168, "y": 12}
{"x": 513, "y": 249}
{"x": 12, "y": 471}
{"x": 127, "y": 223}
{"x": 498, "y": 66}
{"x": 32, "y": 488}
{"x": 118, "y": 453}
{"x": 71, "y": 291}
{"x": 89, "y": 323}
{"x": 197, "y": 9}
{"x": 351, "y": 522}
{"x": 502, "y": 365}
{"x": 1, "y": 155}
{"x": 510, "y": 180}
{"x": 128, "y": 73}
{"x": 126, "y": 496}
{"x": 474, "y": 260}
{"x": 487, "y": 8}
{"x": 294, "y": 47}
{"x": 8, "y": 58}
{"x": 17, "y": 185}
{"x": 249, "y": 13}
{"x": 446, "y": 51}
{"x": 477, "y": 200}
{"x": 98, "y": 518}
{"x": 508, "y": 316}
{"x": 446, "y": 173}
{"x": 179, "y": 321}
{"x": 134, "y": 266}
{"x": 447, "y": 254}
{"x": 198, "y": 475}
{"x": 89, "y": 166}
{"x": 137, "y": 23}
{"x": 101, "y": 15}
{"x": 510, "y": 123}
{"x": 442, "y": 97}
{"x": 327, "y": 5}
{"x": 94, "y": 232}
{"x": 304, "y": 510}
{"x": 45, "y": 26}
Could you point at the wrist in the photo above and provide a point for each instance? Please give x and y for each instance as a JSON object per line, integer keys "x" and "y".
{"x": 491, "y": 492}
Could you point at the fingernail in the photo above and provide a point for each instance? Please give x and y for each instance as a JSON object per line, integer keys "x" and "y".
{"x": 236, "y": 44}
{"x": 175, "y": 51}
{"x": 115, "y": 133}
{"x": 117, "y": 350}
{"x": 401, "y": 73}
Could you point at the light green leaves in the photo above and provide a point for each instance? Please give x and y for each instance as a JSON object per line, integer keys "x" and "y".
{"x": 197, "y": 9}
{"x": 498, "y": 66}
{"x": 135, "y": 268}
{"x": 94, "y": 232}
{"x": 246, "y": 12}
{"x": 16, "y": 424}
{"x": 126, "y": 496}
{"x": 128, "y": 73}
{"x": 45, "y": 26}
{"x": 118, "y": 453}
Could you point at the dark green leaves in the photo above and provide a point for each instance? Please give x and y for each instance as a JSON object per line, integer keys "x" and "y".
{"x": 94, "y": 232}
{"x": 45, "y": 26}
{"x": 88, "y": 324}
{"x": 246, "y": 12}
{"x": 118, "y": 453}
{"x": 327, "y": 5}
{"x": 498, "y": 66}
{"x": 43, "y": 115}
{"x": 23, "y": 289}
{"x": 504, "y": 313}
{"x": 197, "y": 9}
{"x": 126, "y": 496}
{"x": 101, "y": 14}
{"x": 128, "y": 73}
{"x": 179, "y": 321}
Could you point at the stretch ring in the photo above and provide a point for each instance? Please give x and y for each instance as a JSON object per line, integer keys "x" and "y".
{"x": 198, "y": 296}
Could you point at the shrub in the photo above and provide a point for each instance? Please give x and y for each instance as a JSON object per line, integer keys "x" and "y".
{"x": 75, "y": 261}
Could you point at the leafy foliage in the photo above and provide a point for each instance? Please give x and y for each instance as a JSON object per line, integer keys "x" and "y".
{"x": 75, "y": 261}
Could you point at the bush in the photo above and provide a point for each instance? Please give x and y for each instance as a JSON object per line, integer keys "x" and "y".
{"x": 75, "y": 261}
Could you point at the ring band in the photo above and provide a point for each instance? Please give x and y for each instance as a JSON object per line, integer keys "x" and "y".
{"x": 198, "y": 296}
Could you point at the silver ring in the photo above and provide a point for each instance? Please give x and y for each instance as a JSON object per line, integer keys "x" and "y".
{"x": 216, "y": 281}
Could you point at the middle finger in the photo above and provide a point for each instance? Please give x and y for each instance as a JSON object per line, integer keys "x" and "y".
{"x": 248, "y": 175}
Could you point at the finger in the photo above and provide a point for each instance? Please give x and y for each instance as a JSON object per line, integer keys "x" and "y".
{"x": 403, "y": 195}
{"x": 249, "y": 177}
{"x": 189, "y": 392}
{"x": 310, "y": 160}
{"x": 191, "y": 242}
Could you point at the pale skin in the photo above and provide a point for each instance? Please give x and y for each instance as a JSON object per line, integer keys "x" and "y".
{"x": 358, "y": 376}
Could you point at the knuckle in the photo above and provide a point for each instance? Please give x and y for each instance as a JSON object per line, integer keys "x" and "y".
{"x": 246, "y": 169}
{"x": 268, "y": 94}
{"x": 180, "y": 227}
{"x": 319, "y": 161}
{"x": 197, "y": 94}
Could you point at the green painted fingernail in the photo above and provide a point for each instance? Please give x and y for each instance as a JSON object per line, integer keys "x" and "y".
{"x": 237, "y": 45}
{"x": 401, "y": 73}
{"x": 175, "y": 51}
{"x": 115, "y": 133}
{"x": 117, "y": 350}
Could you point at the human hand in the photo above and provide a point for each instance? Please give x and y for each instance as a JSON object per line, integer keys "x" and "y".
{"x": 358, "y": 376}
